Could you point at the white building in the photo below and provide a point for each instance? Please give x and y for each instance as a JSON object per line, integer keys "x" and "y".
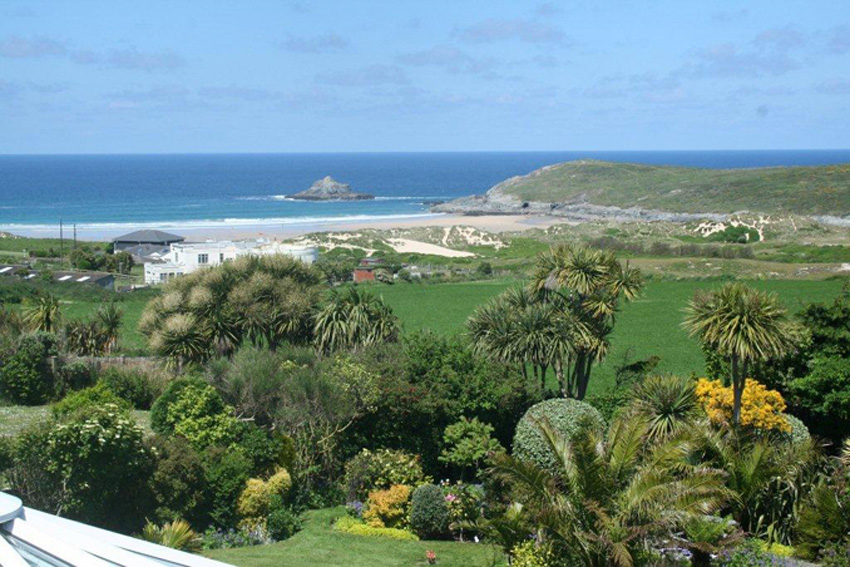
{"x": 186, "y": 257}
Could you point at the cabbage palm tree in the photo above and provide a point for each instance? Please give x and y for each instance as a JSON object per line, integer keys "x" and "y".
{"x": 352, "y": 318}
{"x": 108, "y": 319}
{"x": 527, "y": 328}
{"x": 743, "y": 325}
{"x": 592, "y": 283}
{"x": 42, "y": 313}
{"x": 611, "y": 499}
{"x": 181, "y": 340}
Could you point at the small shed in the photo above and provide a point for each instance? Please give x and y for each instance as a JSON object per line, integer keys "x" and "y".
{"x": 365, "y": 271}
{"x": 143, "y": 237}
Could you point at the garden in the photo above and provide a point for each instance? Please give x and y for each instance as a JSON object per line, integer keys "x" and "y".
{"x": 277, "y": 419}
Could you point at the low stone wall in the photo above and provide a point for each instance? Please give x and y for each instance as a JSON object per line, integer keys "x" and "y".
{"x": 100, "y": 363}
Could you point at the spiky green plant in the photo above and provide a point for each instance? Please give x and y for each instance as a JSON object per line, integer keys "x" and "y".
{"x": 742, "y": 324}
{"x": 351, "y": 318}
{"x": 42, "y": 313}
{"x": 176, "y": 535}
{"x": 668, "y": 402}
{"x": 612, "y": 498}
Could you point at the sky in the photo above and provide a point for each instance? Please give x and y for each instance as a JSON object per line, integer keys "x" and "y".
{"x": 356, "y": 75}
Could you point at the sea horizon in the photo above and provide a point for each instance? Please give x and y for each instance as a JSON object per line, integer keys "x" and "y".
{"x": 111, "y": 193}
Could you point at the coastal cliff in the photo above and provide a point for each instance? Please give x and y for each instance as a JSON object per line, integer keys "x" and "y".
{"x": 329, "y": 189}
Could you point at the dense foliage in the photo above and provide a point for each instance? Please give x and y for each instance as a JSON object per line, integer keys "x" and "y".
{"x": 566, "y": 416}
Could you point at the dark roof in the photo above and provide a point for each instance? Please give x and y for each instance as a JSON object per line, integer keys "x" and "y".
{"x": 80, "y": 277}
{"x": 149, "y": 237}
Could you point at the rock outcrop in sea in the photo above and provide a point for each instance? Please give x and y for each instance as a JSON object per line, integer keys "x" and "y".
{"x": 329, "y": 189}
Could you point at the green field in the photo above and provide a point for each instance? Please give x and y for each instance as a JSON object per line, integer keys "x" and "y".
{"x": 651, "y": 325}
{"x": 319, "y": 544}
{"x": 646, "y": 327}
{"x": 15, "y": 419}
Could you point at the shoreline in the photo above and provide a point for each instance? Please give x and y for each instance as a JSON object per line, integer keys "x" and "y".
{"x": 274, "y": 229}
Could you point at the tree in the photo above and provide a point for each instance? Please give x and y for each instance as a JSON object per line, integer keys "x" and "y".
{"x": 266, "y": 301}
{"x": 42, "y": 313}
{"x": 608, "y": 499}
{"x": 109, "y": 319}
{"x": 524, "y": 328}
{"x": 468, "y": 443}
{"x": 591, "y": 282}
{"x": 354, "y": 318}
{"x": 745, "y": 326}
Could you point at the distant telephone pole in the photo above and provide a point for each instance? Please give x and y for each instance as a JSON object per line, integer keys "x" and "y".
{"x": 75, "y": 236}
{"x": 61, "y": 243}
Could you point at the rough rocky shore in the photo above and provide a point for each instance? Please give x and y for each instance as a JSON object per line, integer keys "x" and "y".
{"x": 500, "y": 204}
{"x": 329, "y": 189}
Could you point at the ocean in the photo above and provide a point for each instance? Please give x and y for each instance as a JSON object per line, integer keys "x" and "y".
{"x": 113, "y": 193}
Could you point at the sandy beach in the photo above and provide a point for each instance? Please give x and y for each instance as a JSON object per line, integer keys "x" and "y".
{"x": 279, "y": 231}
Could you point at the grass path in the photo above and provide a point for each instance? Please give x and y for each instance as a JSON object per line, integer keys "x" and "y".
{"x": 319, "y": 544}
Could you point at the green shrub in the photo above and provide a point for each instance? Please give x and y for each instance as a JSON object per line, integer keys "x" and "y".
{"x": 799, "y": 432}
{"x": 178, "y": 482}
{"x": 567, "y": 416}
{"x": 429, "y": 514}
{"x": 350, "y": 525}
{"x": 531, "y": 554}
{"x": 468, "y": 444}
{"x": 97, "y": 395}
{"x": 73, "y": 376}
{"x": 24, "y": 374}
{"x": 132, "y": 385}
{"x": 381, "y": 469}
{"x": 266, "y": 451}
{"x": 283, "y": 523}
{"x": 226, "y": 472}
{"x": 159, "y": 410}
{"x": 197, "y": 412}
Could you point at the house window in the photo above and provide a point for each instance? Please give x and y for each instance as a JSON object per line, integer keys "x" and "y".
{"x": 221, "y": 258}
{"x": 203, "y": 258}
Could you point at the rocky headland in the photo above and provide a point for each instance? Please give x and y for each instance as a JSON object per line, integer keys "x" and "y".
{"x": 329, "y": 189}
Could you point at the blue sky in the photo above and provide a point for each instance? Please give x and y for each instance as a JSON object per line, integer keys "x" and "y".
{"x": 305, "y": 76}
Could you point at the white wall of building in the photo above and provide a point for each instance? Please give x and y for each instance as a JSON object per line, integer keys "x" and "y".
{"x": 186, "y": 257}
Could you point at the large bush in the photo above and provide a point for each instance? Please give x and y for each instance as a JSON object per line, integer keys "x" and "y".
{"x": 160, "y": 422}
{"x": 96, "y": 396}
{"x": 381, "y": 469}
{"x": 256, "y": 499}
{"x": 135, "y": 386}
{"x": 178, "y": 482}
{"x": 430, "y": 384}
{"x": 567, "y": 416}
{"x": 193, "y": 409}
{"x": 226, "y": 472}
{"x": 429, "y": 513}
{"x": 93, "y": 466}
{"x": 25, "y": 377}
{"x": 387, "y": 508}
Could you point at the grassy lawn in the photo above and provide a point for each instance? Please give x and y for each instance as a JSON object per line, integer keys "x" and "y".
{"x": 14, "y": 419}
{"x": 319, "y": 544}
{"x": 649, "y": 326}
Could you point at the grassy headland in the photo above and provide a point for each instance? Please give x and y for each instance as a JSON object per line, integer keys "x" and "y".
{"x": 822, "y": 190}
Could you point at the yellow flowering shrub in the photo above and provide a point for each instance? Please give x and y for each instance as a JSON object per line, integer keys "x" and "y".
{"x": 760, "y": 408}
{"x": 387, "y": 508}
{"x": 255, "y": 500}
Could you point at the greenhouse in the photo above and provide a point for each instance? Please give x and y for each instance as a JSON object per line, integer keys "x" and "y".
{"x": 35, "y": 539}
